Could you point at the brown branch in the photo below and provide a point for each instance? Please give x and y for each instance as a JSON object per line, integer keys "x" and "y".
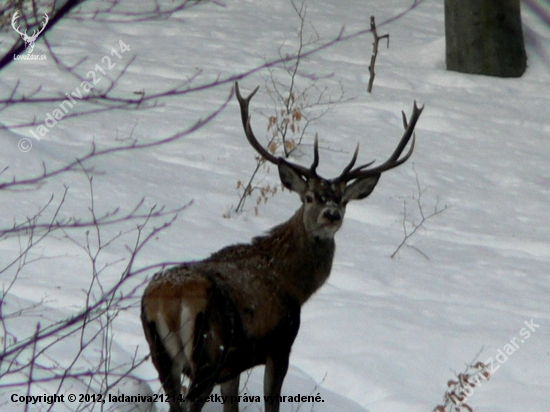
{"x": 377, "y": 39}
{"x": 423, "y": 218}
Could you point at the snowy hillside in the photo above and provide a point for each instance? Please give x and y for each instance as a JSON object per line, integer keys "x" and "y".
{"x": 383, "y": 334}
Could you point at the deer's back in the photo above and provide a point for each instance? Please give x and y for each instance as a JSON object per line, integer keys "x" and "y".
{"x": 251, "y": 283}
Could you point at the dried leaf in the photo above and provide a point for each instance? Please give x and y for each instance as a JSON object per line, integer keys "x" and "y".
{"x": 271, "y": 122}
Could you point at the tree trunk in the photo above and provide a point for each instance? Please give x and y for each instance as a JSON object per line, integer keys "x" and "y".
{"x": 485, "y": 37}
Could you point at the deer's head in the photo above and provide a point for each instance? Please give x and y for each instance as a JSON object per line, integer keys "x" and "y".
{"x": 324, "y": 200}
{"x": 29, "y": 40}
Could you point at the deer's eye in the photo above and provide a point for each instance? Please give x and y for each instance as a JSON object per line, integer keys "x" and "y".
{"x": 309, "y": 199}
{"x": 322, "y": 199}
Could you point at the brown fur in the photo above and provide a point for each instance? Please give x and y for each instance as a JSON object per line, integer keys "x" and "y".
{"x": 265, "y": 282}
{"x": 240, "y": 307}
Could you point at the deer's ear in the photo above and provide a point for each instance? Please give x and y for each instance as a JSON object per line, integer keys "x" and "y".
{"x": 291, "y": 179}
{"x": 360, "y": 188}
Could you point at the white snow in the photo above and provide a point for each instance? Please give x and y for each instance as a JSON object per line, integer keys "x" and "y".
{"x": 383, "y": 334}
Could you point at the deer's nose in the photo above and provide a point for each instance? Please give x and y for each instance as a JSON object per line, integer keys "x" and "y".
{"x": 332, "y": 215}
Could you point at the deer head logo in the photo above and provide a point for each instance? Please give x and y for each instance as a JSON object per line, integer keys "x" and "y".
{"x": 29, "y": 40}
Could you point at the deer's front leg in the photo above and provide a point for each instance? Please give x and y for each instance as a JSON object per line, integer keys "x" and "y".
{"x": 231, "y": 390}
{"x": 275, "y": 372}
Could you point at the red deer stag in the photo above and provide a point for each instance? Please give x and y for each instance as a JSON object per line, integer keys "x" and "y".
{"x": 240, "y": 307}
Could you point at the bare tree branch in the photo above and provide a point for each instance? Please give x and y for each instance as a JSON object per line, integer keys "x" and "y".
{"x": 94, "y": 153}
{"x": 377, "y": 39}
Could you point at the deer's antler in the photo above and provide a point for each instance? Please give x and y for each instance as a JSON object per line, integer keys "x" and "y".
{"x": 245, "y": 117}
{"x": 394, "y": 160}
{"x": 348, "y": 173}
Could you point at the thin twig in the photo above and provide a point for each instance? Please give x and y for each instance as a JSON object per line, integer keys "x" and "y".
{"x": 377, "y": 39}
{"x": 423, "y": 218}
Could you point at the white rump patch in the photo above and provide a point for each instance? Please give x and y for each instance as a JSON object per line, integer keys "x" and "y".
{"x": 187, "y": 326}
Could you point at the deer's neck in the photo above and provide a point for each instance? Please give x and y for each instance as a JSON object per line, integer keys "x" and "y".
{"x": 301, "y": 261}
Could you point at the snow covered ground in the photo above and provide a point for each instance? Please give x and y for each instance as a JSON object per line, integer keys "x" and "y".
{"x": 384, "y": 334}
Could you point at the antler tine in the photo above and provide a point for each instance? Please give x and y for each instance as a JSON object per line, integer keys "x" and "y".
{"x": 315, "y": 163}
{"x": 245, "y": 117}
{"x": 350, "y": 164}
{"x": 394, "y": 159}
{"x": 358, "y": 168}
